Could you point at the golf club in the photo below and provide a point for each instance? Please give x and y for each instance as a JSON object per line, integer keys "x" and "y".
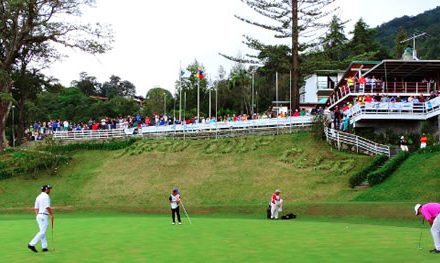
{"x": 53, "y": 244}
{"x": 421, "y": 232}
{"x": 184, "y": 210}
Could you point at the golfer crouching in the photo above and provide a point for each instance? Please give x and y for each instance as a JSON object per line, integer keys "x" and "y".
{"x": 174, "y": 201}
{"x": 276, "y": 204}
{"x": 430, "y": 212}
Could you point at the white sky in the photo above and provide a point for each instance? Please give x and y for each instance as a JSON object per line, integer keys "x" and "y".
{"x": 153, "y": 37}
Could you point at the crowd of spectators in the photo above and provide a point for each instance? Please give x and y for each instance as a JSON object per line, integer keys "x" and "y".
{"x": 39, "y": 130}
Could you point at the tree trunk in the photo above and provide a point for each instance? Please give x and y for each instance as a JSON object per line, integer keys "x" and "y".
{"x": 21, "y": 122}
{"x": 295, "y": 56}
{"x": 5, "y": 105}
{"x": 4, "y": 112}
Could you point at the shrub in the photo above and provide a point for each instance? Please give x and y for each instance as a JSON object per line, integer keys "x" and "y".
{"x": 383, "y": 173}
{"x": 361, "y": 176}
{"x": 429, "y": 149}
{"x": 106, "y": 146}
{"x": 26, "y": 162}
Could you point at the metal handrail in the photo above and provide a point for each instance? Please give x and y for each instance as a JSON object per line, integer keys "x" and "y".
{"x": 360, "y": 143}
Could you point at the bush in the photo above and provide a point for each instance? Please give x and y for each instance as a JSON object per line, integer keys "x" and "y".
{"x": 25, "y": 162}
{"x": 383, "y": 173}
{"x": 359, "y": 177}
{"x": 105, "y": 146}
{"x": 429, "y": 149}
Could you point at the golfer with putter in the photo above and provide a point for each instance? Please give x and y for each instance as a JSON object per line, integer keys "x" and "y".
{"x": 175, "y": 201}
{"x": 42, "y": 212}
{"x": 276, "y": 204}
{"x": 430, "y": 213}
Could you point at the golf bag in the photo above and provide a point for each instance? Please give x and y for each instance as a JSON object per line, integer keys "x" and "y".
{"x": 268, "y": 212}
{"x": 288, "y": 216}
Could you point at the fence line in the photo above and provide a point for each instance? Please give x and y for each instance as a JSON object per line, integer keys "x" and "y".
{"x": 362, "y": 145}
{"x": 195, "y": 131}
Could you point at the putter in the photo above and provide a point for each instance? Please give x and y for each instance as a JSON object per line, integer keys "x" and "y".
{"x": 53, "y": 244}
{"x": 421, "y": 232}
{"x": 184, "y": 210}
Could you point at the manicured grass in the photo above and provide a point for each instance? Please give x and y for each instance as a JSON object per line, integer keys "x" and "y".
{"x": 417, "y": 180}
{"x": 239, "y": 172}
{"x": 138, "y": 238}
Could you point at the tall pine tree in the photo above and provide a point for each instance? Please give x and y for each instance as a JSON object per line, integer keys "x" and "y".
{"x": 289, "y": 19}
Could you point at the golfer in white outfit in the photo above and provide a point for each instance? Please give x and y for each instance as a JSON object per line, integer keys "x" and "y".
{"x": 42, "y": 211}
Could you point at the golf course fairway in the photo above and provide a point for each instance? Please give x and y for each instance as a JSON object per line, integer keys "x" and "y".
{"x": 120, "y": 237}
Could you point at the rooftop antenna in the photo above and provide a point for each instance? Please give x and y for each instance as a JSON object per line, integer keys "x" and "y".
{"x": 413, "y": 38}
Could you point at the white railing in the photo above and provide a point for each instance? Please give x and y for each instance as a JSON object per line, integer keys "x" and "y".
{"x": 338, "y": 138}
{"x": 395, "y": 110}
{"x": 389, "y": 88}
{"x": 193, "y": 130}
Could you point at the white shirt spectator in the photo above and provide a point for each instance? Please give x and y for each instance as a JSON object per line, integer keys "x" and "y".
{"x": 42, "y": 203}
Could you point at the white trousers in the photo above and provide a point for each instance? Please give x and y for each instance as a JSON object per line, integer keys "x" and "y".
{"x": 43, "y": 222}
{"x": 404, "y": 148}
{"x": 274, "y": 209}
{"x": 422, "y": 145}
{"x": 435, "y": 231}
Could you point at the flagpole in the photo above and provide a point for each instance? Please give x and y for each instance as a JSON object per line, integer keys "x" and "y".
{"x": 198, "y": 99}
{"x": 184, "y": 119}
{"x": 290, "y": 99}
{"x": 180, "y": 93}
{"x": 216, "y": 112}
{"x": 209, "y": 103}
{"x": 276, "y": 96}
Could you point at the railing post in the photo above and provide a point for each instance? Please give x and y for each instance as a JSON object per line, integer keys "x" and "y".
{"x": 417, "y": 87}
{"x": 339, "y": 143}
{"x": 357, "y": 144}
{"x": 375, "y": 148}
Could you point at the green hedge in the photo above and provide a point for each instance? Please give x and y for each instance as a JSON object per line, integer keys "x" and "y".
{"x": 359, "y": 177}
{"x": 429, "y": 149}
{"x": 383, "y": 173}
{"x": 106, "y": 146}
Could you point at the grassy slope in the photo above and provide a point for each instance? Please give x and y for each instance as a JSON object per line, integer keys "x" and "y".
{"x": 417, "y": 180}
{"x": 137, "y": 238}
{"x": 239, "y": 172}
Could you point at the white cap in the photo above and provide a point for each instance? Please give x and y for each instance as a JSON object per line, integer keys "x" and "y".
{"x": 277, "y": 191}
{"x": 402, "y": 137}
{"x": 416, "y": 208}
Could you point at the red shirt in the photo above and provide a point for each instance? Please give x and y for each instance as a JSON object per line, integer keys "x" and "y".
{"x": 275, "y": 198}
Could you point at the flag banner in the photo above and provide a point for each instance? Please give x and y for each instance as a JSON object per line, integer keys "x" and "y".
{"x": 185, "y": 73}
{"x": 200, "y": 74}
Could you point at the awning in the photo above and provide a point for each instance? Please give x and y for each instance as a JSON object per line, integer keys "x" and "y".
{"x": 389, "y": 69}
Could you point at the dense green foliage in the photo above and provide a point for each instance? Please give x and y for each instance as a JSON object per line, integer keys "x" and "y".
{"x": 359, "y": 177}
{"x": 90, "y": 146}
{"x": 29, "y": 163}
{"x": 378, "y": 176}
{"x": 73, "y": 105}
{"x": 427, "y": 48}
{"x": 416, "y": 180}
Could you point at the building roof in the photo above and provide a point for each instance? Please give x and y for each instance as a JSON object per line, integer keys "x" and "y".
{"x": 406, "y": 68}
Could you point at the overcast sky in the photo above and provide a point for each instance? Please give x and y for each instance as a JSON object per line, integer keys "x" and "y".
{"x": 152, "y": 38}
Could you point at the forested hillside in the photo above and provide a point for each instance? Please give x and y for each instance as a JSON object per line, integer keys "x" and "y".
{"x": 429, "y": 22}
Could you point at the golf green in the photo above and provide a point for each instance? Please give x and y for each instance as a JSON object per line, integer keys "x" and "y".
{"x": 139, "y": 238}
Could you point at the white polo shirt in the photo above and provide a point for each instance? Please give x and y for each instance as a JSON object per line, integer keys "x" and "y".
{"x": 174, "y": 199}
{"x": 42, "y": 202}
